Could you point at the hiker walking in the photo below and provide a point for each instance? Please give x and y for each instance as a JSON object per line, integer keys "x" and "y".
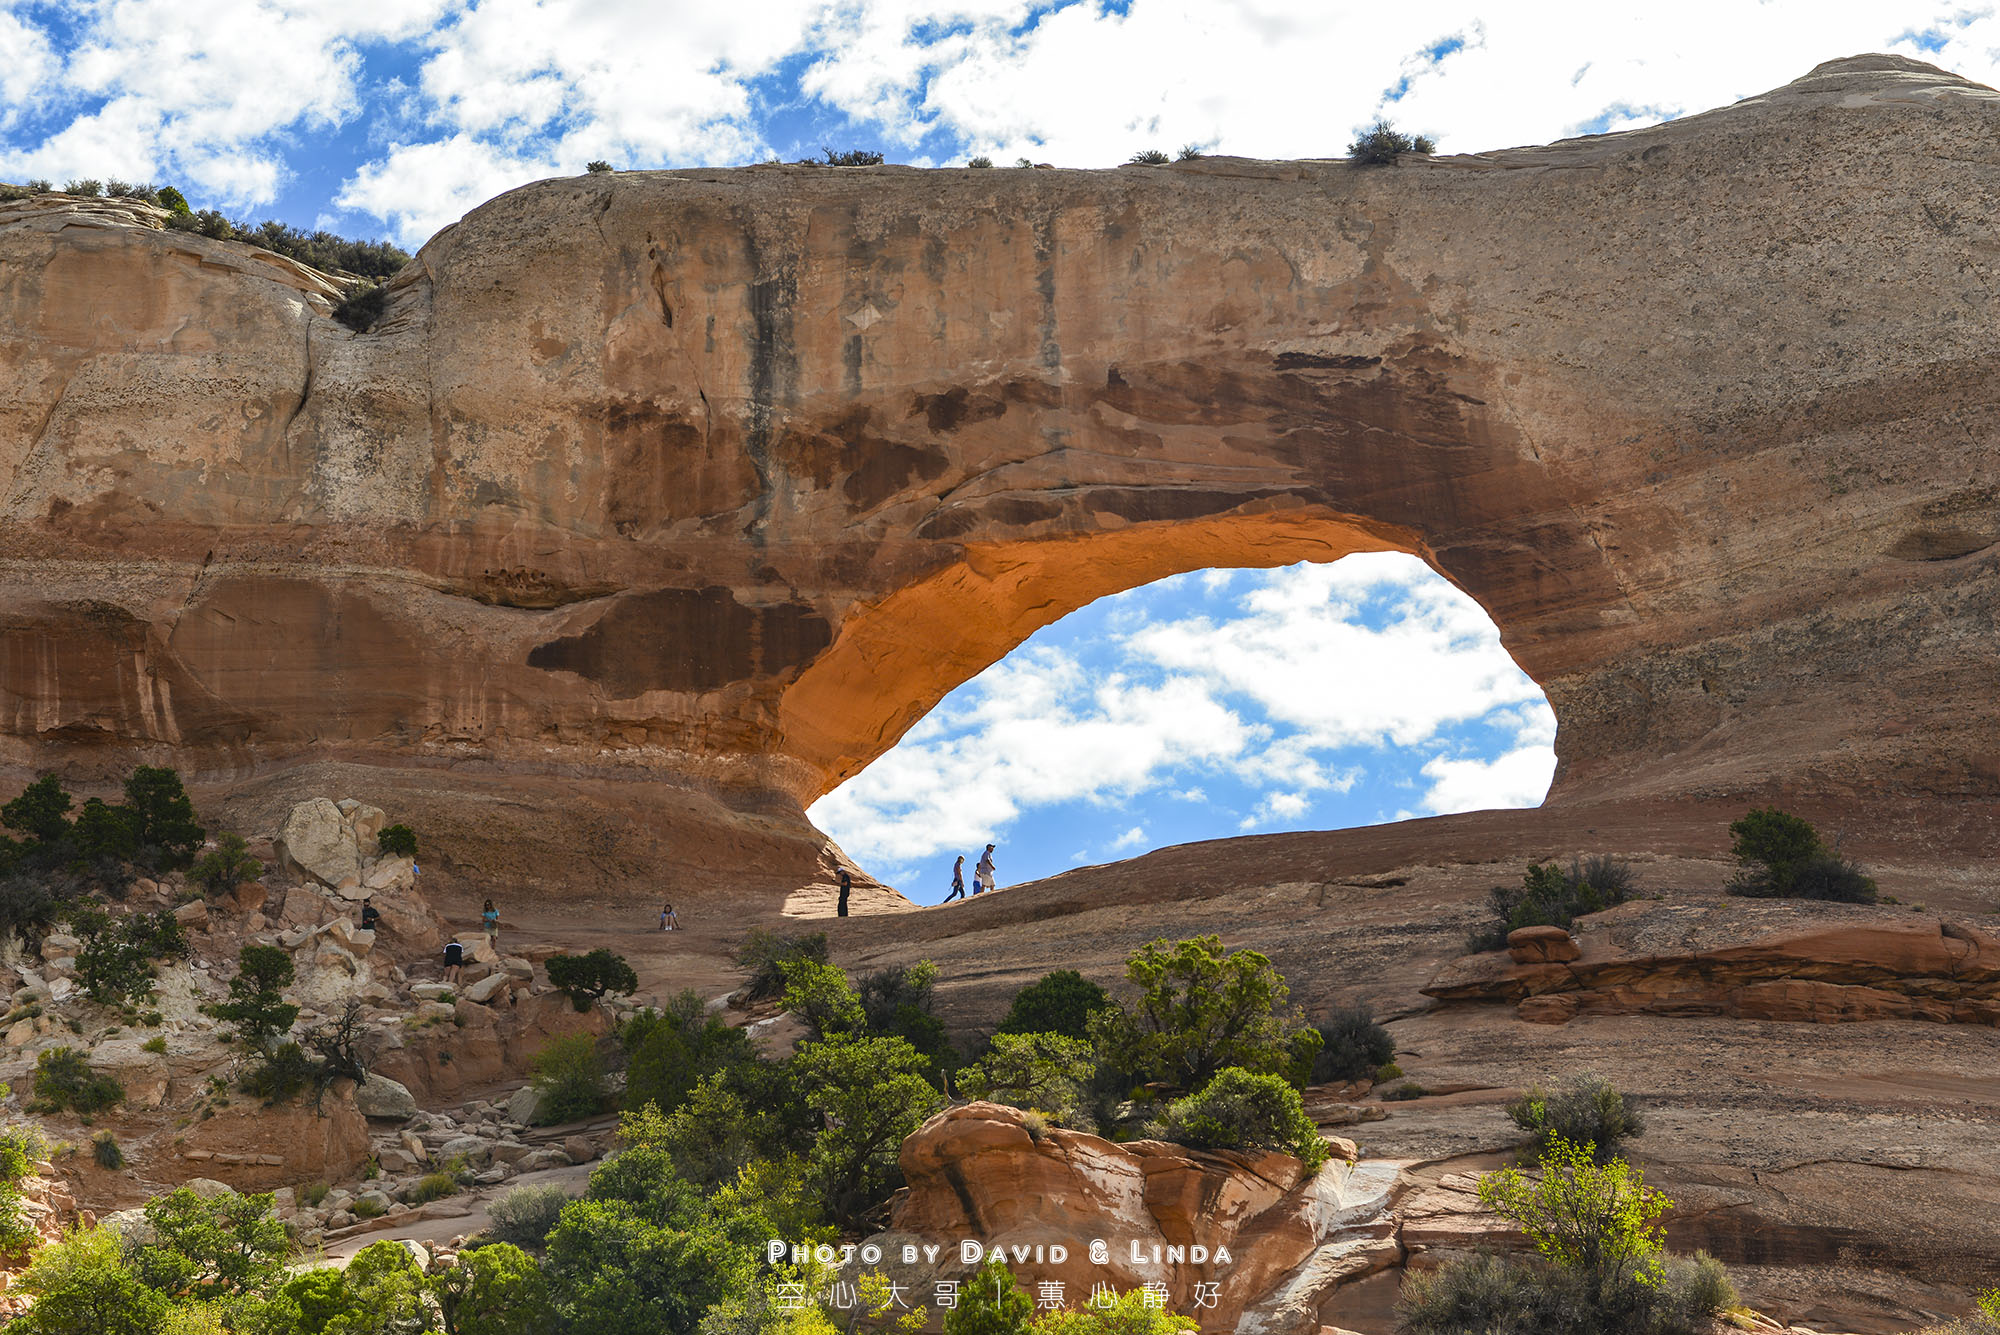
{"x": 983, "y": 873}
{"x": 957, "y": 880}
{"x": 846, "y": 888}
{"x": 489, "y": 919}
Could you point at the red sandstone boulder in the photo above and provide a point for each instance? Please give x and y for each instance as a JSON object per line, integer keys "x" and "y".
{"x": 1542, "y": 945}
{"x": 1243, "y": 1242}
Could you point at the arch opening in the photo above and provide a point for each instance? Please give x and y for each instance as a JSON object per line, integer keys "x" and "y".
{"x": 1204, "y": 705}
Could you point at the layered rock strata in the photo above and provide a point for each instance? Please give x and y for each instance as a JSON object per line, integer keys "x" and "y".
{"x": 1743, "y": 959}
{"x": 725, "y": 477}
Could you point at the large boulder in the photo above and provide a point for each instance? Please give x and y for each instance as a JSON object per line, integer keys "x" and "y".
{"x": 316, "y": 841}
{"x": 365, "y": 821}
{"x": 1291, "y": 1237}
{"x": 379, "y": 1096}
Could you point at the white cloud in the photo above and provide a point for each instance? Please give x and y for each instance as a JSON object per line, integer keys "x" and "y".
{"x": 1035, "y": 730}
{"x": 419, "y": 188}
{"x": 1518, "y": 779}
{"x": 163, "y": 89}
{"x": 1305, "y": 667}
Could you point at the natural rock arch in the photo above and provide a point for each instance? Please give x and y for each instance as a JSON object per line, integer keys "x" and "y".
{"x": 723, "y": 477}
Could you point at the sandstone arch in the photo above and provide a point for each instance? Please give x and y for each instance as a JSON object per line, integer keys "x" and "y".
{"x": 678, "y": 475}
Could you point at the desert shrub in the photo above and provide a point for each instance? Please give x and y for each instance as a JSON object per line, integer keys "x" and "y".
{"x": 322, "y": 250}
{"x": 765, "y": 954}
{"x": 115, "y": 964}
{"x": 168, "y": 835}
{"x": 257, "y": 1007}
{"x": 396, "y": 841}
{"x": 1201, "y": 1009}
{"x": 585, "y": 978}
{"x": 157, "y": 1044}
{"x": 1404, "y": 1092}
{"x": 229, "y": 866}
{"x": 104, "y": 1149}
{"x": 852, "y": 157}
{"x": 312, "y": 1193}
{"x": 569, "y": 1075}
{"x": 869, "y": 1096}
{"x": 896, "y": 1003}
{"x": 494, "y": 1290}
{"x": 981, "y": 161}
{"x": 1584, "y": 1111}
{"x": 17, "y": 1227}
{"x": 361, "y": 308}
{"x": 83, "y": 1286}
{"x": 1353, "y": 1046}
{"x": 709, "y": 1140}
{"x": 823, "y": 999}
{"x": 674, "y": 1053}
{"x": 1246, "y": 1110}
{"x": 1596, "y": 1218}
{"x": 1189, "y": 152}
{"x": 597, "y": 167}
{"x": 87, "y": 187}
{"x": 1782, "y": 855}
{"x": 432, "y": 1187}
{"x": 41, "y": 811}
{"x": 64, "y": 1081}
{"x": 526, "y": 1216}
{"x": 1148, "y": 157}
{"x": 172, "y": 200}
{"x": 991, "y": 1302}
{"x": 1061, "y": 1002}
{"x": 1551, "y": 896}
{"x": 105, "y": 832}
{"x": 284, "y": 1071}
{"x": 1045, "y": 1072}
{"x": 30, "y": 906}
{"x": 209, "y": 1247}
{"x": 20, "y": 1146}
{"x": 1382, "y": 143}
{"x": 365, "y": 1208}
{"x": 1516, "y": 1296}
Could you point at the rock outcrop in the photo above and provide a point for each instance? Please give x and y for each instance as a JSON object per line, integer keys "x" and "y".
{"x": 1241, "y": 1242}
{"x": 725, "y": 477}
{"x": 1752, "y": 960}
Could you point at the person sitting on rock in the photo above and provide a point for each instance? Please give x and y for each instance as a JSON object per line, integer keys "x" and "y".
{"x": 454, "y": 960}
{"x": 370, "y": 915}
{"x": 668, "y": 922}
{"x": 489, "y": 918}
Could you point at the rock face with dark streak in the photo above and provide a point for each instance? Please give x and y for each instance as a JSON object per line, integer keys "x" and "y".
{"x": 725, "y": 477}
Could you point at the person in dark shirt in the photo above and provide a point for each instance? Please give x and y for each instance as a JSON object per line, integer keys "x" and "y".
{"x": 454, "y": 960}
{"x": 846, "y": 888}
{"x": 370, "y": 915}
{"x": 957, "y": 880}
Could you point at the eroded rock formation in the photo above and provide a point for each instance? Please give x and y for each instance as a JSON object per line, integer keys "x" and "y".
{"x": 1748, "y": 959}
{"x": 1257, "y": 1243}
{"x": 725, "y": 477}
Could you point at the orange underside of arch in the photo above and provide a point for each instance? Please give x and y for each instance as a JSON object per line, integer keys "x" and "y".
{"x": 894, "y": 660}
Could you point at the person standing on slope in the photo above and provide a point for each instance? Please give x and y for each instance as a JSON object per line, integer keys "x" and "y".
{"x": 957, "y": 880}
{"x": 846, "y": 888}
{"x": 982, "y": 877}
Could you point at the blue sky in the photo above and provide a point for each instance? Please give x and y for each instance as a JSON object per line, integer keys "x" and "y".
{"x": 1209, "y": 705}
{"x": 393, "y": 117}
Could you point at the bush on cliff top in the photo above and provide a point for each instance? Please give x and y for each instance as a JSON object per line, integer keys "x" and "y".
{"x": 1246, "y": 1110}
